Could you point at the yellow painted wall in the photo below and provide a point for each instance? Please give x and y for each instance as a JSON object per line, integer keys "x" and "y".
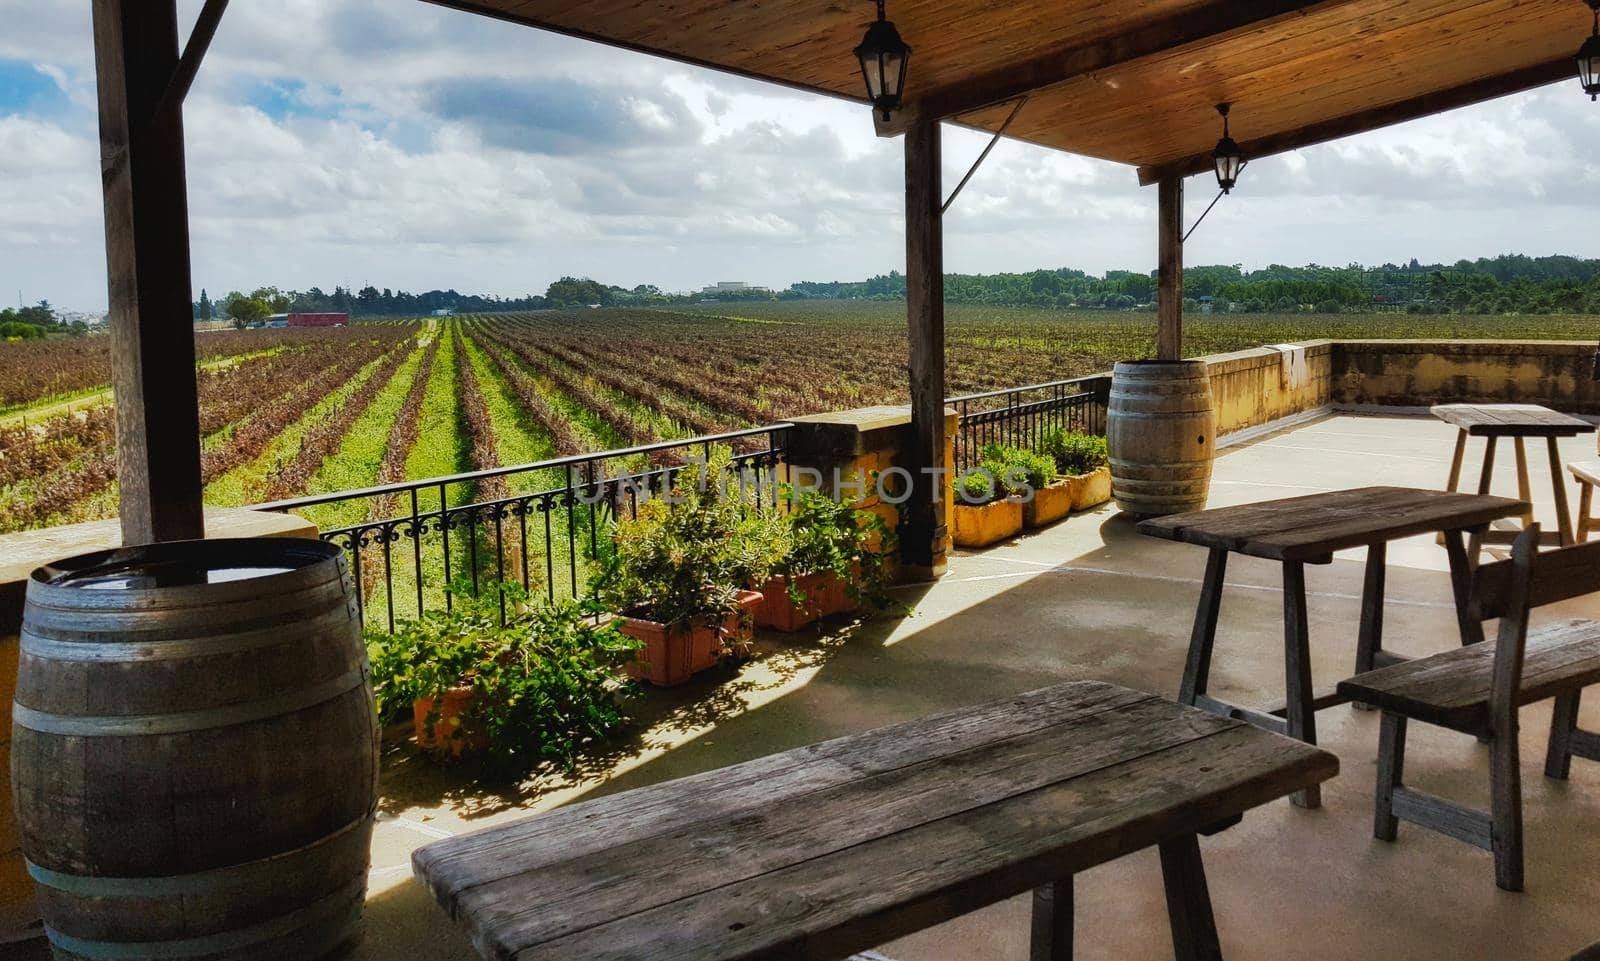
{"x": 1250, "y": 387}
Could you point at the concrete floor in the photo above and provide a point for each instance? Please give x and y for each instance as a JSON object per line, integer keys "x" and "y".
{"x": 1089, "y": 598}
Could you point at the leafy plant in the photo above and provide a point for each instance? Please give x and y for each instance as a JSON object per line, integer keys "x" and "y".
{"x": 822, "y": 535}
{"x": 1015, "y": 471}
{"x": 1075, "y": 453}
{"x": 684, "y": 557}
{"x": 548, "y": 682}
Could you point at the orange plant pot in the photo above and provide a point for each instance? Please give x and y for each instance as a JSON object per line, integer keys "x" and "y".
{"x": 1051, "y": 503}
{"x": 674, "y": 653}
{"x": 825, "y": 594}
{"x": 986, "y": 524}
{"x": 450, "y": 734}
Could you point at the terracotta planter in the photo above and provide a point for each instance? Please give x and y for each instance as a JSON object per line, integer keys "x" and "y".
{"x": 987, "y": 524}
{"x": 450, "y": 734}
{"x": 1094, "y": 490}
{"x": 825, "y": 595}
{"x": 674, "y": 653}
{"x": 1053, "y": 502}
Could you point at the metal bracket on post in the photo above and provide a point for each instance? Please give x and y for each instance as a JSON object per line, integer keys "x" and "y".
{"x": 1196, "y": 225}
{"x": 985, "y": 155}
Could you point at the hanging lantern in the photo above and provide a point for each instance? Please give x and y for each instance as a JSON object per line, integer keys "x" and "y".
{"x": 1228, "y": 158}
{"x": 884, "y": 58}
{"x": 1589, "y": 57}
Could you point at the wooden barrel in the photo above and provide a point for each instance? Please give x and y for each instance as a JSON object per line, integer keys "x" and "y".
{"x": 194, "y": 753}
{"x": 1161, "y": 428}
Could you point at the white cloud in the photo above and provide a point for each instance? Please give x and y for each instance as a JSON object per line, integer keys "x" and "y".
{"x": 402, "y": 144}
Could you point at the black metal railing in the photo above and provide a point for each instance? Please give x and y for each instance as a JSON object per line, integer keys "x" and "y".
{"x": 1024, "y": 416}
{"x": 408, "y": 541}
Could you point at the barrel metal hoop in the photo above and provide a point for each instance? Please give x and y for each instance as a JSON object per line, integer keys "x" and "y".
{"x": 246, "y": 876}
{"x": 71, "y": 725}
{"x": 56, "y": 649}
{"x": 331, "y": 920}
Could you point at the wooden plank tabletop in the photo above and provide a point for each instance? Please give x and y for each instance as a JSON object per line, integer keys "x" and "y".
{"x": 1511, "y": 420}
{"x": 822, "y": 851}
{"x": 1314, "y": 526}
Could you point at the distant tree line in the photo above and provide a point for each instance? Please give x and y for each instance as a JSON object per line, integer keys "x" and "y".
{"x": 1511, "y": 283}
{"x": 40, "y": 320}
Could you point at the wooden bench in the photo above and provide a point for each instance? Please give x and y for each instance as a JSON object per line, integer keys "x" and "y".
{"x": 1478, "y": 689}
{"x": 816, "y": 853}
{"x": 1587, "y": 473}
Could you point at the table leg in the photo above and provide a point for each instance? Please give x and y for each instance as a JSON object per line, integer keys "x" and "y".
{"x": 1370, "y": 640}
{"x": 1563, "y": 516}
{"x": 1475, "y": 542}
{"x": 1197, "y": 668}
{"x": 1052, "y": 922}
{"x": 1524, "y": 489}
{"x": 1194, "y": 927}
{"x": 1461, "y": 565}
{"x": 1301, "y": 712}
{"x": 1455, "y": 462}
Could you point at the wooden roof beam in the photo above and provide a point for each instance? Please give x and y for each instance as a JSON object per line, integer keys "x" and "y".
{"x": 1478, "y": 91}
{"x": 1211, "y": 22}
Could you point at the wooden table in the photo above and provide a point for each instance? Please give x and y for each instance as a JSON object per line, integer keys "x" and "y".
{"x": 1519, "y": 422}
{"x": 1297, "y": 531}
{"x": 819, "y": 852}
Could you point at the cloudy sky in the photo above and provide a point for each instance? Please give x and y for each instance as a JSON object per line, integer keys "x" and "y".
{"x": 395, "y": 143}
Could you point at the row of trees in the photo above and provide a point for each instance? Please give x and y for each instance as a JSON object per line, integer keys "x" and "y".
{"x": 1512, "y": 283}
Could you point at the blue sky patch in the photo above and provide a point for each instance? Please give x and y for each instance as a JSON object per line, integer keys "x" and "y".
{"x": 25, "y": 90}
{"x": 287, "y": 98}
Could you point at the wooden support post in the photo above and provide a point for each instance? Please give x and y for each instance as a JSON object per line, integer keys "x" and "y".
{"x": 923, "y": 530}
{"x": 1169, "y": 275}
{"x": 147, "y": 264}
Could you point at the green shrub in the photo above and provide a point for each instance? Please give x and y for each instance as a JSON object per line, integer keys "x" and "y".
{"x": 1015, "y": 470}
{"x": 684, "y": 558}
{"x": 1075, "y": 453}
{"x": 819, "y": 534}
{"x": 549, "y": 681}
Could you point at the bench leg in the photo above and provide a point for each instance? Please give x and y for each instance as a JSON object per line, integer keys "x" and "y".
{"x": 1505, "y": 791}
{"x": 1391, "y": 774}
{"x": 1197, "y": 668}
{"x": 1300, "y": 714}
{"x": 1194, "y": 928}
{"x": 1585, "y": 504}
{"x": 1052, "y": 922}
{"x": 1370, "y": 640}
{"x": 1558, "y": 756}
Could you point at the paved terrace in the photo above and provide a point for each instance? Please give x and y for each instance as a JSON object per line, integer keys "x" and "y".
{"x": 1089, "y": 598}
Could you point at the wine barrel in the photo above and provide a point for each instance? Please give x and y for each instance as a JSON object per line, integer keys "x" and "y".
{"x": 1161, "y": 430}
{"x": 195, "y": 751}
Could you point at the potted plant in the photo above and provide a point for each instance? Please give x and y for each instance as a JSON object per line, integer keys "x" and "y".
{"x": 1083, "y": 459}
{"x": 989, "y": 498}
{"x": 676, "y": 574}
{"x": 534, "y": 688}
{"x": 832, "y": 557}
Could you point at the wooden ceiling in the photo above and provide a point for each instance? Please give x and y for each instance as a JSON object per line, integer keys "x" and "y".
{"x": 1133, "y": 81}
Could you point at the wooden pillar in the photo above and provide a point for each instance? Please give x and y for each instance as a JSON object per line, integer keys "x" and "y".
{"x": 147, "y": 263}
{"x": 1169, "y": 275}
{"x": 923, "y": 529}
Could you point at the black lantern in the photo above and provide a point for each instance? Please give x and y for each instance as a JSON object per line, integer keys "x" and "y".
{"x": 1589, "y": 57}
{"x": 884, "y": 58}
{"x": 1228, "y": 158}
